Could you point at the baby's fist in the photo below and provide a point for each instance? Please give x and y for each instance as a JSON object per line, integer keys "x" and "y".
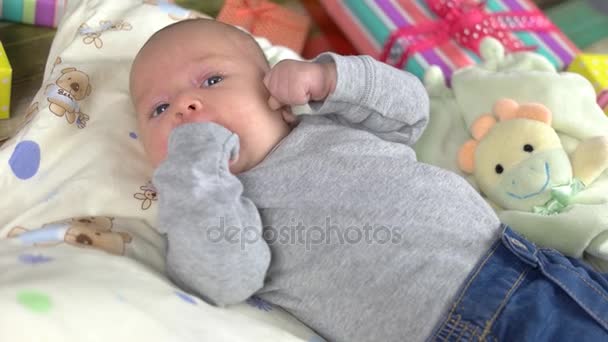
{"x": 292, "y": 82}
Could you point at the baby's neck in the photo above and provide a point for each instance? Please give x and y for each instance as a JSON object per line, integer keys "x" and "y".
{"x": 272, "y": 145}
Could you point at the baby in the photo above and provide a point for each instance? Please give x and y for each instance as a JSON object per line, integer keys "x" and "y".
{"x": 328, "y": 214}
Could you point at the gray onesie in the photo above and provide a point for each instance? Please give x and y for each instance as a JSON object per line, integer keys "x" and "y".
{"x": 339, "y": 225}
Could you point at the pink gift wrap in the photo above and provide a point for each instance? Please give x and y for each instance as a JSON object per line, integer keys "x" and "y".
{"x": 370, "y": 24}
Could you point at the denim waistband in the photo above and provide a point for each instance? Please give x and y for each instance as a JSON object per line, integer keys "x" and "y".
{"x": 570, "y": 275}
{"x": 525, "y": 250}
{"x": 502, "y": 270}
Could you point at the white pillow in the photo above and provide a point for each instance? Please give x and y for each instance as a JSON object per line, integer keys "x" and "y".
{"x": 64, "y": 165}
{"x": 79, "y": 155}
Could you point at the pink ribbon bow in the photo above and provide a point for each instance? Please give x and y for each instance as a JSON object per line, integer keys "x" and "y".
{"x": 466, "y": 22}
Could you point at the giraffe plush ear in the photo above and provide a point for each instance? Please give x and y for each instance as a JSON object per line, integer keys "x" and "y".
{"x": 535, "y": 111}
{"x": 482, "y": 126}
{"x": 466, "y": 156}
{"x": 505, "y": 109}
{"x": 479, "y": 129}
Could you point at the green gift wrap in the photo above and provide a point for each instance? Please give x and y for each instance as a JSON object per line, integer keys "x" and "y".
{"x": 584, "y": 21}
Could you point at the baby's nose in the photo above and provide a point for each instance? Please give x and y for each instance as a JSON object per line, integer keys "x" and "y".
{"x": 190, "y": 109}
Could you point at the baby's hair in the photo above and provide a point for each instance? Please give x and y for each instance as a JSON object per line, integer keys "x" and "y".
{"x": 248, "y": 42}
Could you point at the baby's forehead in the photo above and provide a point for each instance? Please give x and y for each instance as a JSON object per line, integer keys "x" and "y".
{"x": 194, "y": 39}
{"x": 195, "y": 31}
{"x": 202, "y": 37}
{"x": 190, "y": 41}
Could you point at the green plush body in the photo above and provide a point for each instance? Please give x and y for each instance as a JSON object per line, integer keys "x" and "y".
{"x": 578, "y": 229}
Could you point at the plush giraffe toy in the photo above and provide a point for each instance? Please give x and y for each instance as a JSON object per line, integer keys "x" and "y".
{"x": 519, "y": 163}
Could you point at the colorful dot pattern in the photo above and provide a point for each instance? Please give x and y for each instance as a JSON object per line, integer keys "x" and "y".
{"x": 33, "y": 259}
{"x": 25, "y": 160}
{"x": 35, "y": 301}
{"x": 186, "y": 298}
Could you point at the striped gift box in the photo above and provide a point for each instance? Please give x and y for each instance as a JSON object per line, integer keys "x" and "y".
{"x": 369, "y": 23}
{"x": 36, "y": 12}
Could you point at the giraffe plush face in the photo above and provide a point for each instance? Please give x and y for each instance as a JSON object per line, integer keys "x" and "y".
{"x": 516, "y": 156}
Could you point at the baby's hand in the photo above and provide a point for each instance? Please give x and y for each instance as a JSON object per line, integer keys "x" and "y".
{"x": 208, "y": 140}
{"x": 294, "y": 82}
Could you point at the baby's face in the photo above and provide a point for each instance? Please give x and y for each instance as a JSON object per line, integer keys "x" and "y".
{"x": 200, "y": 72}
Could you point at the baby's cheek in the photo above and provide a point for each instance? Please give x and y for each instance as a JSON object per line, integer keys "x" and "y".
{"x": 155, "y": 148}
{"x": 160, "y": 149}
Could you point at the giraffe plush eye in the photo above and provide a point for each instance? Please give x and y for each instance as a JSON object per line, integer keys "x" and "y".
{"x": 499, "y": 169}
{"x": 528, "y": 148}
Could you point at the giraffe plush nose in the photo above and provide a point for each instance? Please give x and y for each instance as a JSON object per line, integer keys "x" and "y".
{"x": 75, "y": 86}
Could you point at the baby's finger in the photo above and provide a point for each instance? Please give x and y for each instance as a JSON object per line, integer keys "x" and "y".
{"x": 271, "y": 79}
{"x": 274, "y": 104}
{"x": 288, "y": 116}
{"x": 267, "y": 79}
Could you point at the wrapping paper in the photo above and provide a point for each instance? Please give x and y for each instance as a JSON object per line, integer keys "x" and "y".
{"x": 6, "y": 73}
{"x": 369, "y": 23}
{"x": 35, "y": 12}
{"x": 595, "y": 69}
{"x": 262, "y": 18}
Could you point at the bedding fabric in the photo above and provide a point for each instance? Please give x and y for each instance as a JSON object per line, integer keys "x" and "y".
{"x": 56, "y": 292}
{"x": 81, "y": 260}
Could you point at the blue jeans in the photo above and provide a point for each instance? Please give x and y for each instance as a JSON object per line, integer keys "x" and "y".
{"x": 520, "y": 292}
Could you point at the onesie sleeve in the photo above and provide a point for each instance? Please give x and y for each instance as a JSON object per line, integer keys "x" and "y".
{"x": 214, "y": 233}
{"x": 376, "y": 97}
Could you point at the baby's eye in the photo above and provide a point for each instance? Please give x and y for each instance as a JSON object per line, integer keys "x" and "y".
{"x": 160, "y": 109}
{"x": 212, "y": 80}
